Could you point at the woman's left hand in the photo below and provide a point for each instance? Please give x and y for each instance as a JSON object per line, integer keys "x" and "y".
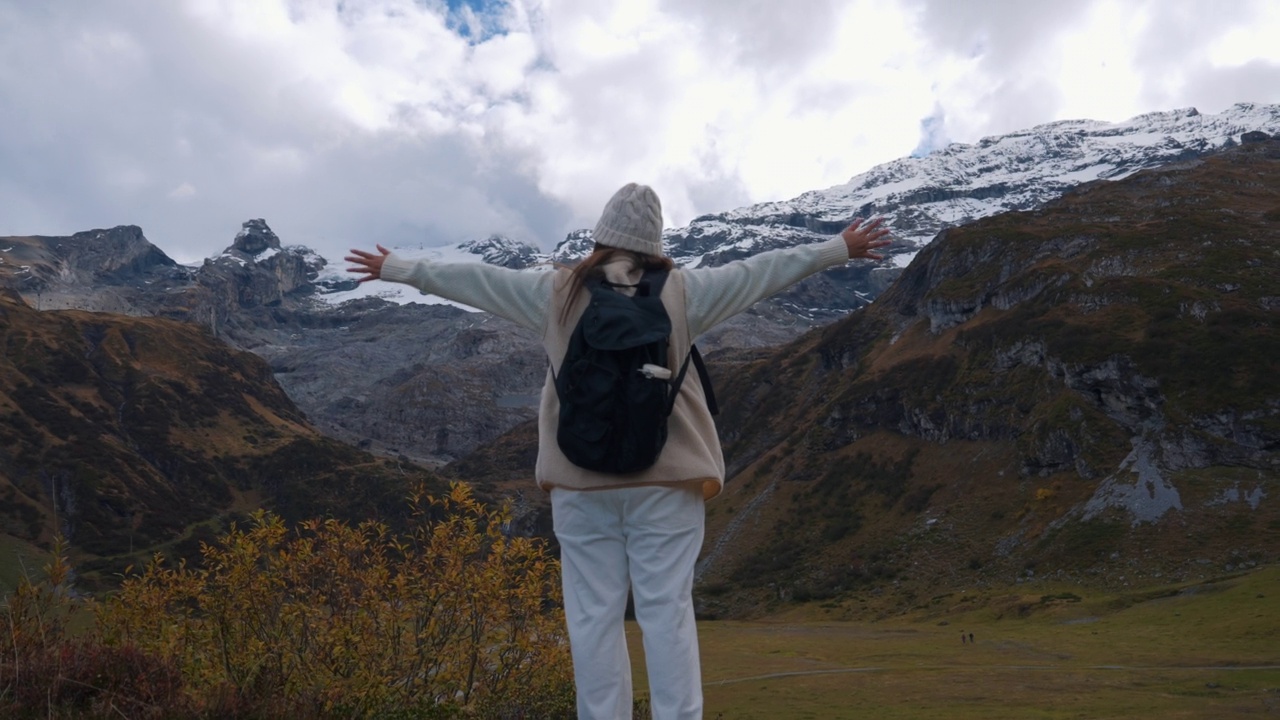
{"x": 862, "y": 238}
{"x": 368, "y": 263}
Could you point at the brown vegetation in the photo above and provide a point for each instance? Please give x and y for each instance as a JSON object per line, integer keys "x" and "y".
{"x": 326, "y": 621}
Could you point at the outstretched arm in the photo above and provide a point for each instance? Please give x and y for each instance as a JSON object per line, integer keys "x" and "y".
{"x": 518, "y": 296}
{"x": 717, "y": 294}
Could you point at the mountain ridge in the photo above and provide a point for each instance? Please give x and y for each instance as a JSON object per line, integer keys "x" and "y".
{"x": 290, "y": 306}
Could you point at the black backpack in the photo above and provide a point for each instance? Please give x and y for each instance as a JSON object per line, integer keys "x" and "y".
{"x": 616, "y": 391}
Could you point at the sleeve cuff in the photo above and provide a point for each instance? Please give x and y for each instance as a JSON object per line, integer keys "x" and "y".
{"x": 396, "y": 269}
{"x": 833, "y": 252}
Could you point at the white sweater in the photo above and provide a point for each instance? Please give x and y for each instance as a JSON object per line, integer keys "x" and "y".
{"x": 712, "y": 295}
{"x": 709, "y": 296}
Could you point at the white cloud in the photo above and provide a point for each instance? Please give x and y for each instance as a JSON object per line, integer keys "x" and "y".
{"x": 402, "y": 121}
{"x": 182, "y": 192}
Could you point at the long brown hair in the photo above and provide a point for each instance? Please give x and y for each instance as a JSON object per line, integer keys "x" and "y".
{"x": 592, "y": 264}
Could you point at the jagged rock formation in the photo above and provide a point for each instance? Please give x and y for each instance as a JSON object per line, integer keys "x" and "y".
{"x": 503, "y": 252}
{"x": 256, "y": 271}
{"x": 114, "y": 270}
{"x": 120, "y": 271}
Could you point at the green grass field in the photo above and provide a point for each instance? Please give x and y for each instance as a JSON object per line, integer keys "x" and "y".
{"x": 1210, "y": 650}
{"x": 18, "y": 558}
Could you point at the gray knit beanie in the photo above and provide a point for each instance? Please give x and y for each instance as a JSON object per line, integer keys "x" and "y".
{"x": 632, "y": 220}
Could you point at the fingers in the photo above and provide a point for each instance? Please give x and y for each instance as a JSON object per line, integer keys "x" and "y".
{"x": 872, "y": 229}
{"x": 367, "y": 263}
{"x": 870, "y": 225}
{"x": 864, "y": 235}
{"x": 368, "y": 274}
{"x": 870, "y": 232}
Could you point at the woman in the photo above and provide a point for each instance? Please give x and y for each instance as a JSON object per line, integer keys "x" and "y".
{"x": 640, "y": 532}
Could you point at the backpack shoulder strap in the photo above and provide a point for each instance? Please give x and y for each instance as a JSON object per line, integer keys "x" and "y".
{"x": 707, "y": 390}
{"x": 656, "y": 280}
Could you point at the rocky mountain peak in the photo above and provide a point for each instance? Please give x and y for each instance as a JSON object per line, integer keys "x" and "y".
{"x": 575, "y": 246}
{"x": 255, "y": 271}
{"x": 960, "y": 183}
{"x": 121, "y": 250}
{"x": 104, "y": 270}
{"x": 255, "y": 237}
{"x": 503, "y": 251}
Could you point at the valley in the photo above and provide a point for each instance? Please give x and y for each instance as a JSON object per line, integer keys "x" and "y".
{"x": 1077, "y": 390}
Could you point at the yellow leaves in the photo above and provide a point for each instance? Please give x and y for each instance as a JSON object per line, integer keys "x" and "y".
{"x": 454, "y": 611}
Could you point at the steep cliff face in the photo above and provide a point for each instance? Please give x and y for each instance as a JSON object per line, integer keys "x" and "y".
{"x": 119, "y": 271}
{"x": 431, "y": 382}
{"x": 115, "y": 270}
{"x": 257, "y": 271}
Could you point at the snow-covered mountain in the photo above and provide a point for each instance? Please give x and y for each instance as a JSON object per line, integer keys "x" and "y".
{"x": 919, "y": 196}
{"x": 344, "y": 354}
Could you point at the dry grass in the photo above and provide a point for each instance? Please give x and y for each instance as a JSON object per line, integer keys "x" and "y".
{"x": 1195, "y": 651}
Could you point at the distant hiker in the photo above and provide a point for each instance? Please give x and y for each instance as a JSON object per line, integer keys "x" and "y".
{"x": 970, "y": 638}
{"x": 961, "y": 637}
{"x": 642, "y": 530}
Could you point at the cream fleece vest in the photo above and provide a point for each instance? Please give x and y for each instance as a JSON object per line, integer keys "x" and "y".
{"x": 692, "y": 452}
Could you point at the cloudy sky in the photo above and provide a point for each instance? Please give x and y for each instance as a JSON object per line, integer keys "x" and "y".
{"x": 348, "y": 122}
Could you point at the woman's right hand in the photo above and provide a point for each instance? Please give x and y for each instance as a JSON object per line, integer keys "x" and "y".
{"x": 367, "y": 263}
{"x": 863, "y": 237}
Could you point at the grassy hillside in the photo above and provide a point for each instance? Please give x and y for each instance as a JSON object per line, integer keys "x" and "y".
{"x": 133, "y": 434}
{"x": 1205, "y": 650}
{"x": 1088, "y": 391}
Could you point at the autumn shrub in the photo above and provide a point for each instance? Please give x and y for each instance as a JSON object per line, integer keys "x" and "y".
{"x": 454, "y": 618}
{"x": 48, "y": 672}
{"x": 330, "y": 619}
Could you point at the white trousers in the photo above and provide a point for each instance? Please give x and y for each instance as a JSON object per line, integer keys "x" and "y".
{"x": 648, "y": 539}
